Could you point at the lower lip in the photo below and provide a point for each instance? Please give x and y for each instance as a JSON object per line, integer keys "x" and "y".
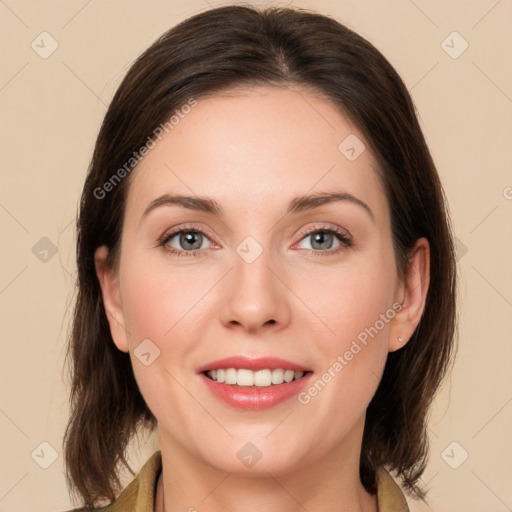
{"x": 255, "y": 398}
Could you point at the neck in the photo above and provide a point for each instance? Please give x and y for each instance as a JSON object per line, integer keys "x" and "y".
{"x": 195, "y": 486}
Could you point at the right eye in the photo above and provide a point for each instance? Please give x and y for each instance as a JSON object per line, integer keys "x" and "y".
{"x": 190, "y": 239}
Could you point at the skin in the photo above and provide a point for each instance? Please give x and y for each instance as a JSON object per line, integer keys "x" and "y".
{"x": 252, "y": 150}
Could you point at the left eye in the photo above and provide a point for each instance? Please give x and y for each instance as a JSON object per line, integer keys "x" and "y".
{"x": 323, "y": 239}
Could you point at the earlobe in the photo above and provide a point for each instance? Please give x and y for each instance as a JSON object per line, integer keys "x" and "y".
{"x": 413, "y": 296}
{"x": 111, "y": 298}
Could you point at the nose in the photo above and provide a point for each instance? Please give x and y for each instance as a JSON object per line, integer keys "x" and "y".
{"x": 255, "y": 296}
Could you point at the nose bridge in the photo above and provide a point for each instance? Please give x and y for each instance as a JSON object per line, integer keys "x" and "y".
{"x": 255, "y": 296}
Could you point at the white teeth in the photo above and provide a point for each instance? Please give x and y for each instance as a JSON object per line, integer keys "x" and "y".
{"x": 230, "y": 376}
{"x": 277, "y": 376}
{"x": 259, "y": 378}
{"x": 244, "y": 378}
{"x": 288, "y": 375}
{"x": 262, "y": 378}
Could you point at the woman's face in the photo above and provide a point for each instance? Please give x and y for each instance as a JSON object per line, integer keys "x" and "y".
{"x": 275, "y": 275}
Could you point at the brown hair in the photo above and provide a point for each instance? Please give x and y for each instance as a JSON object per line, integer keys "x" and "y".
{"x": 244, "y": 46}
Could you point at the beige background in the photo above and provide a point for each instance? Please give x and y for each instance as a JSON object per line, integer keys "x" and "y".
{"x": 51, "y": 110}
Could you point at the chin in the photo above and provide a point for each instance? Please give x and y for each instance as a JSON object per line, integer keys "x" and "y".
{"x": 253, "y": 458}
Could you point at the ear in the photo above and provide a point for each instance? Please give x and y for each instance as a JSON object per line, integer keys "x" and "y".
{"x": 412, "y": 294}
{"x": 109, "y": 283}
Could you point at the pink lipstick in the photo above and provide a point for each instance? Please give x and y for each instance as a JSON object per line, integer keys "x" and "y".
{"x": 254, "y": 384}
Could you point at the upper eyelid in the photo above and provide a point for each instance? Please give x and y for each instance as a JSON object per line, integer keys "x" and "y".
{"x": 326, "y": 227}
{"x": 173, "y": 232}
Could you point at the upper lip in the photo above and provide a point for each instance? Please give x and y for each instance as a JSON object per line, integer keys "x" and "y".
{"x": 254, "y": 364}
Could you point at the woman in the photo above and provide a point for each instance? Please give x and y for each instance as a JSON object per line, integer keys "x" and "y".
{"x": 265, "y": 271}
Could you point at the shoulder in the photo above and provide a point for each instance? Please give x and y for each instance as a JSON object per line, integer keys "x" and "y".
{"x": 86, "y": 509}
{"x": 390, "y": 496}
{"x": 89, "y": 509}
{"x": 139, "y": 494}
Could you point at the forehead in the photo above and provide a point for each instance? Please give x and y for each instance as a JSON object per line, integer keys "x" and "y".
{"x": 246, "y": 146}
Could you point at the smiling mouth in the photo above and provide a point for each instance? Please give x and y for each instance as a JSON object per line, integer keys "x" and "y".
{"x": 248, "y": 378}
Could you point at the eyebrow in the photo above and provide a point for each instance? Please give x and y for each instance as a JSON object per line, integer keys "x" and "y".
{"x": 296, "y": 205}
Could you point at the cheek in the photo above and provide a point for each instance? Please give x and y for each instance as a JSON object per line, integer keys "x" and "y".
{"x": 163, "y": 304}
{"x": 155, "y": 299}
{"x": 155, "y": 306}
{"x": 348, "y": 299}
{"x": 353, "y": 309}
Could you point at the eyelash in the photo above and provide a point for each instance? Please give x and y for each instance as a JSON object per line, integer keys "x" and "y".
{"x": 345, "y": 241}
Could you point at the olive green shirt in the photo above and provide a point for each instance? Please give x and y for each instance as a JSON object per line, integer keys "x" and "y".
{"x": 139, "y": 495}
